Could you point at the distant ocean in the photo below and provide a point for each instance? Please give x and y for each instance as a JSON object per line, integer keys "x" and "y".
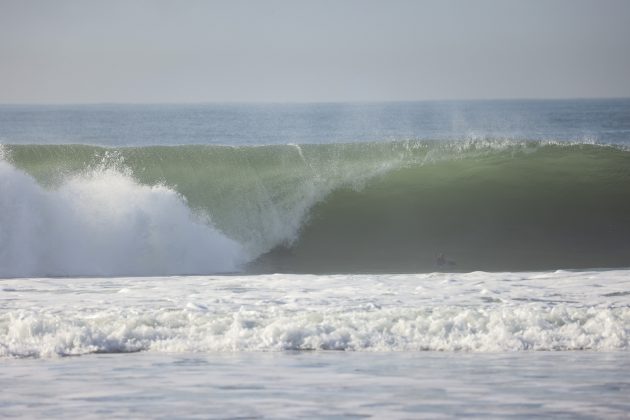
{"x": 447, "y": 249}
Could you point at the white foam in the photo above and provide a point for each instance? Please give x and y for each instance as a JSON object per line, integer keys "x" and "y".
{"x": 104, "y": 223}
{"x": 478, "y": 312}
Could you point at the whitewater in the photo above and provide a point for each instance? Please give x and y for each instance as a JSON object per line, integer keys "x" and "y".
{"x": 472, "y": 312}
{"x": 241, "y": 260}
{"x": 103, "y": 223}
{"x": 398, "y": 346}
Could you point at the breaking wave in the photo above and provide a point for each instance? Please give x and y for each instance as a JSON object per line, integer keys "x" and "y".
{"x": 358, "y": 207}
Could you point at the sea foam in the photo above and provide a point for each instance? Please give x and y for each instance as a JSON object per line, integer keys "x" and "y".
{"x": 474, "y": 312}
{"x": 104, "y": 223}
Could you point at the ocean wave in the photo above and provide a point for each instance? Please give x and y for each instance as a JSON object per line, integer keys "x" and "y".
{"x": 487, "y": 204}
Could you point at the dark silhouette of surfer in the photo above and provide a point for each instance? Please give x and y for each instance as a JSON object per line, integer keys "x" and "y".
{"x": 441, "y": 261}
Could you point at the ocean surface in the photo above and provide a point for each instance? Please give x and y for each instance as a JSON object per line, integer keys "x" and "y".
{"x": 403, "y": 260}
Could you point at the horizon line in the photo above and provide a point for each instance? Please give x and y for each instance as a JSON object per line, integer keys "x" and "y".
{"x": 330, "y": 102}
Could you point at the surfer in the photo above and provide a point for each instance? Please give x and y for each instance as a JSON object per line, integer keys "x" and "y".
{"x": 441, "y": 261}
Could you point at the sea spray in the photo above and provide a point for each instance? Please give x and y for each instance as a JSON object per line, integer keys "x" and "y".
{"x": 102, "y": 222}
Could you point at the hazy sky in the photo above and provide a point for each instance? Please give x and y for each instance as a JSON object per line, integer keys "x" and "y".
{"x": 341, "y": 50}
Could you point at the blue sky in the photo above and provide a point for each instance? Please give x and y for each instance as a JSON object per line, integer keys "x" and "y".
{"x": 69, "y": 51}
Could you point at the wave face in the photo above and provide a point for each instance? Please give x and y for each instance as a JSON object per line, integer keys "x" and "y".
{"x": 368, "y": 207}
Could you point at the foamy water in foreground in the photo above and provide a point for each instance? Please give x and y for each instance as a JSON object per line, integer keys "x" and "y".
{"x": 229, "y": 346}
{"x": 475, "y": 312}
